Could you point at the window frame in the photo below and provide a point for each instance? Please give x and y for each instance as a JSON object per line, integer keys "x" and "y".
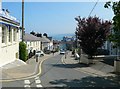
{"x": 4, "y": 35}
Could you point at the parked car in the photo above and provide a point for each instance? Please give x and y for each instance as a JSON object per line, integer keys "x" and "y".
{"x": 62, "y": 52}
{"x": 47, "y": 52}
{"x": 39, "y": 53}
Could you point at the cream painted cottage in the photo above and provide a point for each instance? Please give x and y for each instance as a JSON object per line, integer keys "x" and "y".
{"x": 9, "y": 38}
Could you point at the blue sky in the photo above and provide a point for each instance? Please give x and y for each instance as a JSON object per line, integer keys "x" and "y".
{"x": 55, "y": 17}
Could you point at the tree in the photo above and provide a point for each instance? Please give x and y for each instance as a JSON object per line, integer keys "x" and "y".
{"x": 39, "y": 35}
{"x": 45, "y": 34}
{"x": 22, "y": 51}
{"x": 92, "y": 33}
{"x": 115, "y": 35}
{"x": 33, "y": 33}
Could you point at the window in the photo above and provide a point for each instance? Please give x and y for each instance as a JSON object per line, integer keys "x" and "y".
{"x": 30, "y": 44}
{"x": 10, "y": 35}
{"x": 14, "y": 34}
{"x": 3, "y": 35}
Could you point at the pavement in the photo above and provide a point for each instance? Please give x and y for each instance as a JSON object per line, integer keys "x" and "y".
{"x": 18, "y": 70}
{"x": 98, "y": 68}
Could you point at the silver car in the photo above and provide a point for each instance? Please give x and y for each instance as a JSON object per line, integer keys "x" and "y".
{"x": 39, "y": 53}
{"x": 62, "y": 52}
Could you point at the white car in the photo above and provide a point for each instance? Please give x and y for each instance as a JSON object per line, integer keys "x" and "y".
{"x": 39, "y": 53}
{"x": 62, "y": 52}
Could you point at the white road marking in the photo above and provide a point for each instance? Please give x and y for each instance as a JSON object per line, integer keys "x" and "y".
{"x": 27, "y": 81}
{"x": 37, "y": 81}
{"x": 36, "y": 78}
{"x": 26, "y": 85}
{"x": 39, "y": 85}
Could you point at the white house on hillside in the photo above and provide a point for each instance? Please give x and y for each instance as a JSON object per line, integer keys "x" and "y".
{"x": 46, "y": 43}
{"x": 33, "y": 43}
{"x": 50, "y": 45}
{"x": 9, "y": 38}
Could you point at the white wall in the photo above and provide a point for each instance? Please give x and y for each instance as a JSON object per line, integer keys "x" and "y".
{"x": 8, "y": 51}
{"x": 35, "y": 45}
{"x": 0, "y": 43}
{"x": 50, "y": 46}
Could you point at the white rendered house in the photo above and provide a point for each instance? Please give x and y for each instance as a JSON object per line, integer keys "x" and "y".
{"x": 33, "y": 43}
{"x": 9, "y": 38}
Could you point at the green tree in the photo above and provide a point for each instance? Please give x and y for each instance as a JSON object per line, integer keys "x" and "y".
{"x": 33, "y": 33}
{"x": 115, "y": 35}
{"x": 22, "y": 51}
{"x": 45, "y": 34}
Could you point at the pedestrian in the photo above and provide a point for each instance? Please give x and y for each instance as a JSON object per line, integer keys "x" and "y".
{"x": 53, "y": 52}
{"x": 37, "y": 57}
{"x": 65, "y": 55}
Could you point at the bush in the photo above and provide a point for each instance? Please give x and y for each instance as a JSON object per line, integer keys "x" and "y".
{"x": 22, "y": 51}
{"x": 56, "y": 49}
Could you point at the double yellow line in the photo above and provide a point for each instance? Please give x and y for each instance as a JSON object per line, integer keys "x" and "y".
{"x": 32, "y": 76}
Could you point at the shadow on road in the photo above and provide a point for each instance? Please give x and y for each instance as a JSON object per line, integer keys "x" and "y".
{"x": 89, "y": 82}
{"x": 70, "y": 65}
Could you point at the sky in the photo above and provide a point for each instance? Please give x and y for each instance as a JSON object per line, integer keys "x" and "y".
{"x": 55, "y": 17}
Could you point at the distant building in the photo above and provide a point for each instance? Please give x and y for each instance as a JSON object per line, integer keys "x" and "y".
{"x": 50, "y": 45}
{"x": 35, "y": 43}
{"x": 68, "y": 42}
{"x": 46, "y": 43}
{"x": 9, "y": 38}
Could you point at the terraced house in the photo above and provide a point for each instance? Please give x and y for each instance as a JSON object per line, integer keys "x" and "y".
{"x": 9, "y": 37}
{"x": 33, "y": 43}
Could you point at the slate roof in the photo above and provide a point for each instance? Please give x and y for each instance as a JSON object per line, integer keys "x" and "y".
{"x": 30, "y": 37}
{"x": 6, "y": 15}
{"x": 44, "y": 39}
{"x": 50, "y": 38}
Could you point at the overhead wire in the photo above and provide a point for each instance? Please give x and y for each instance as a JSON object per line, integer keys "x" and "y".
{"x": 93, "y": 8}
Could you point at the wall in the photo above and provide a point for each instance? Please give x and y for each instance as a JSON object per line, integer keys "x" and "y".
{"x": 9, "y": 52}
{"x": 35, "y": 45}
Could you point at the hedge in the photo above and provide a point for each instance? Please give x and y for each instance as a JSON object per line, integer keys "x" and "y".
{"x": 22, "y": 51}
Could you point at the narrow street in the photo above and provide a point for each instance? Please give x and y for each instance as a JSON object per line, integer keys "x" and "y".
{"x": 56, "y": 74}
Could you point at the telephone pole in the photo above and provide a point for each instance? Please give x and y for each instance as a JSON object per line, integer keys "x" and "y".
{"x": 22, "y": 20}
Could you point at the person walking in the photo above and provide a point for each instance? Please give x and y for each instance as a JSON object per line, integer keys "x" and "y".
{"x": 53, "y": 51}
{"x": 65, "y": 54}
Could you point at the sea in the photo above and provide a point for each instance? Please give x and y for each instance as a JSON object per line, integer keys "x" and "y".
{"x": 60, "y": 36}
